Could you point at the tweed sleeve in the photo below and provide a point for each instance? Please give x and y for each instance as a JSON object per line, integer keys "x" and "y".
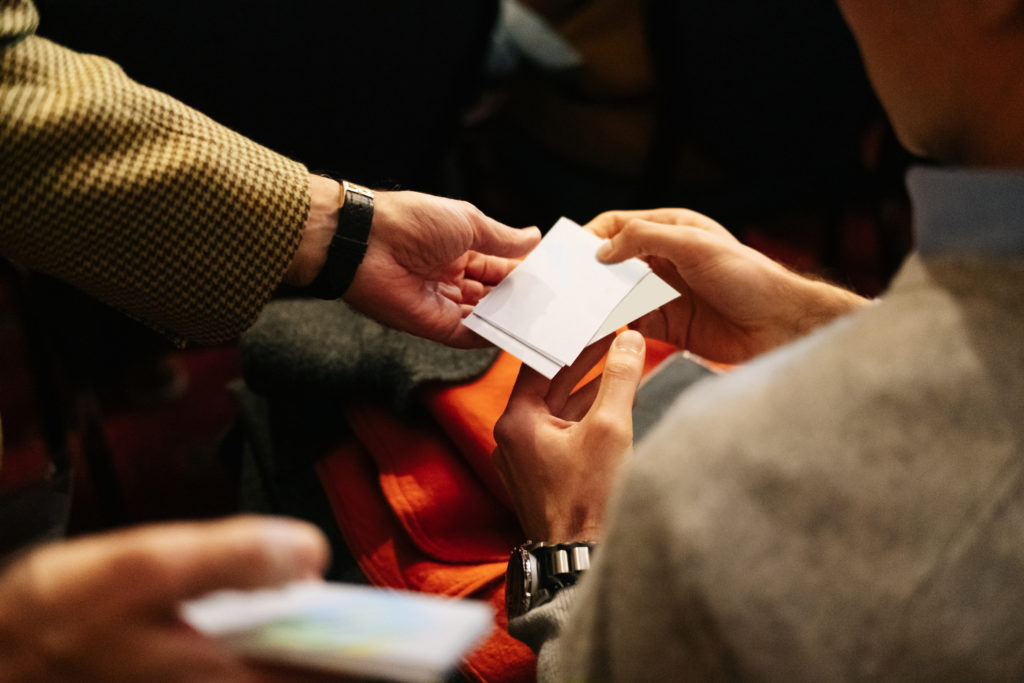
{"x": 133, "y": 197}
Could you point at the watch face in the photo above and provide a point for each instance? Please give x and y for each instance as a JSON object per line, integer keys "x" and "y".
{"x": 517, "y": 578}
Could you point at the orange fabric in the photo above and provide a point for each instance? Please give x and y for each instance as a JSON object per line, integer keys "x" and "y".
{"x": 422, "y": 508}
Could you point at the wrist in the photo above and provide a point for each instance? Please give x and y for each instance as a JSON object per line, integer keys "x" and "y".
{"x": 831, "y": 302}
{"x": 538, "y": 571}
{"x": 335, "y": 240}
{"x": 560, "y": 532}
{"x": 317, "y": 233}
{"x": 819, "y": 304}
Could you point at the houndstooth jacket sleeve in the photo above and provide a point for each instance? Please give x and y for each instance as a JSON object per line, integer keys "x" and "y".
{"x": 134, "y": 197}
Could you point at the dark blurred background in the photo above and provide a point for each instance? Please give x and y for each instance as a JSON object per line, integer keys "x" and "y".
{"x": 756, "y": 112}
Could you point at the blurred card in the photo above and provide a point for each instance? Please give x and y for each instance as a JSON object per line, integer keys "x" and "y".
{"x": 561, "y": 299}
{"x": 348, "y": 629}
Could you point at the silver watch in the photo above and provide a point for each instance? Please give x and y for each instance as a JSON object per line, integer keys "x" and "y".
{"x": 537, "y": 571}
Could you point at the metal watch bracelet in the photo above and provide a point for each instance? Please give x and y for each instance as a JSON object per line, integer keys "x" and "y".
{"x": 537, "y": 571}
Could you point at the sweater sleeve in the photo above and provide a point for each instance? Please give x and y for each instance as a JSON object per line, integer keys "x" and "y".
{"x": 133, "y": 197}
{"x": 637, "y": 614}
{"x": 539, "y": 629}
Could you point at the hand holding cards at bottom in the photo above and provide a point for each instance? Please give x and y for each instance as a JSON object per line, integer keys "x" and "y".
{"x": 558, "y": 450}
{"x": 346, "y": 629}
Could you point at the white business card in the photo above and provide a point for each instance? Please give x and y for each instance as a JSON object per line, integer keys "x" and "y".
{"x": 561, "y": 299}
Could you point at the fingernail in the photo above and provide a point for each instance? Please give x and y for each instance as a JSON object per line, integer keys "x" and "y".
{"x": 630, "y": 341}
{"x": 297, "y": 546}
{"x": 604, "y": 251}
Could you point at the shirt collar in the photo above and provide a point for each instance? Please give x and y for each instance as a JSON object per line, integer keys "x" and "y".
{"x": 959, "y": 210}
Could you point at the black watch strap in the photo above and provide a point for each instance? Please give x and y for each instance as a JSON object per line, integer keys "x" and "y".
{"x": 348, "y": 246}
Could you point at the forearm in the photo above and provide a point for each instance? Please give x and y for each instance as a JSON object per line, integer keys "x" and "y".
{"x": 135, "y": 198}
{"x": 819, "y": 304}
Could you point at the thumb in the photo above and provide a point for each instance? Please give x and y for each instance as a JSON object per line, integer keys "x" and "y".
{"x": 175, "y": 562}
{"x": 245, "y": 553}
{"x": 643, "y": 238}
{"x": 154, "y": 567}
{"x": 498, "y": 239}
{"x": 622, "y": 371}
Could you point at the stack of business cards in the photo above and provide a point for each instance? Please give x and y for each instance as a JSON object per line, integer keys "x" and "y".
{"x": 561, "y": 299}
{"x": 347, "y": 629}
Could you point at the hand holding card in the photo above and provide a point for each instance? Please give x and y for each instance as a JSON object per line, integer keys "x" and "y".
{"x": 348, "y": 629}
{"x": 561, "y": 299}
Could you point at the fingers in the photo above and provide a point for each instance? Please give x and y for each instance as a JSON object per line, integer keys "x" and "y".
{"x": 579, "y": 403}
{"x": 643, "y": 238}
{"x": 531, "y": 388}
{"x": 610, "y": 223}
{"x": 158, "y": 566}
{"x": 682, "y": 245}
{"x": 471, "y": 291}
{"x": 622, "y": 371}
{"x": 450, "y": 291}
{"x": 498, "y": 239}
{"x": 245, "y": 552}
{"x": 567, "y": 379}
{"x": 489, "y": 270}
{"x": 525, "y": 404}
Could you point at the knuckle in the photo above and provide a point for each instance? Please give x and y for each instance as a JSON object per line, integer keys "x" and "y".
{"x": 143, "y": 565}
{"x": 640, "y": 234}
{"x": 606, "y": 426}
{"x": 504, "y": 429}
{"x": 31, "y": 581}
{"x": 607, "y": 223}
{"x": 257, "y": 550}
{"x": 619, "y": 367}
{"x": 633, "y": 226}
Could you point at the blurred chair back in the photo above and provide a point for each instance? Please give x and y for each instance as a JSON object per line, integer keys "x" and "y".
{"x": 371, "y": 91}
{"x": 772, "y": 92}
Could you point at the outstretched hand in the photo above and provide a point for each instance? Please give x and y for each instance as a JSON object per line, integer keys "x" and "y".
{"x": 429, "y": 261}
{"x": 736, "y": 302}
{"x": 558, "y": 451}
{"x": 105, "y": 607}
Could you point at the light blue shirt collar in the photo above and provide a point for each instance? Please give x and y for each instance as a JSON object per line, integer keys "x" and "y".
{"x": 958, "y": 210}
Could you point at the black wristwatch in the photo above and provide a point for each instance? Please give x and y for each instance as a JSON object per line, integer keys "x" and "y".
{"x": 348, "y": 246}
{"x": 537, "y": 571}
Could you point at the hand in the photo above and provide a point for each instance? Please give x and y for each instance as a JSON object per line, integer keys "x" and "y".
{"x": 429, "y": 261}
{"x": 558, "y": 451}
{"x": 736, "y": 302}
{"x": 106, "y": 607}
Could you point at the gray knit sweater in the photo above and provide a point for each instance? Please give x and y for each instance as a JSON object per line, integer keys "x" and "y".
{"x": 848, "y": 507}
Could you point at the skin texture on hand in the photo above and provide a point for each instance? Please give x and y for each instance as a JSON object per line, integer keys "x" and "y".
{"x": 429, "y": 261}
{"x": 736, "y": 302}
{"x": 558, "y": 452}
{"x": 105, "y": 607}
{"x": 317, "y": 233}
